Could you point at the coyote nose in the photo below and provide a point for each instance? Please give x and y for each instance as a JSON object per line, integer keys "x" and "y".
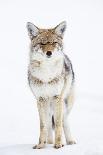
{"x": 48, "y": 53}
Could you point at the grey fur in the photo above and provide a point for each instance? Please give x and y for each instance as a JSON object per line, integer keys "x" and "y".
{"x": 68, "y": 67}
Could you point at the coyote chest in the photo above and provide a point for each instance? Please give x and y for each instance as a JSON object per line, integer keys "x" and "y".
{"x": 47, "y": 78}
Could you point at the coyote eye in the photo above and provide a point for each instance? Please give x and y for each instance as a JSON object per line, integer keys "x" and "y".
{"x": 42, "y": 44}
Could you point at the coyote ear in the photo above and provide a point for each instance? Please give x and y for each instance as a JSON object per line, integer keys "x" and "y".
{"x": 32, "y": 30}
{"x": 60, "y": 29}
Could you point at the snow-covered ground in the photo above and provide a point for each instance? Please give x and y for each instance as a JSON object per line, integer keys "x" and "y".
{"x": 86, "y": 121}
{"x": 19, "y": 122}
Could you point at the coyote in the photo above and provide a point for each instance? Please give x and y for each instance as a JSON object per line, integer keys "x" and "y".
{"x": 51, "y": 79}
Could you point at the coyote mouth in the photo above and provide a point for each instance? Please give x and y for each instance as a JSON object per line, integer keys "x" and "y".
{"x": 48, "y": 56}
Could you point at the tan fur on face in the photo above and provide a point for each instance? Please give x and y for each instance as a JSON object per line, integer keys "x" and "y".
{"x": 47, "y": 39}
{"x": 48, "y": 47}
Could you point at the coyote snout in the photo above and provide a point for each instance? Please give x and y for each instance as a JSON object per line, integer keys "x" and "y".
{"x": 48, "y": 53}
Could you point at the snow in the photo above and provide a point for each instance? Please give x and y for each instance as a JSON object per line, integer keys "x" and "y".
{"x": 89, "y": 149}
{"x": 19, "y": 122}
{"x": 86, "y": 124}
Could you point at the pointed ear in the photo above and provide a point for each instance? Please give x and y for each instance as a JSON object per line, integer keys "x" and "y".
{"x": 60, "y": 29}
{"x": 33, "y": 31}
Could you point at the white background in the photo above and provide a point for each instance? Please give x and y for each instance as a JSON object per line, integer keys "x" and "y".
{"x": 83, "y": 44}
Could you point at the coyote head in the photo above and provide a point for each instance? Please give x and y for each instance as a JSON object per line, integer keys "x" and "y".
{"x": 46, "y": 42}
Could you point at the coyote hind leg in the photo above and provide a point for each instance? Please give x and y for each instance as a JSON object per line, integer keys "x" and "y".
{"x": 69, "y": 101}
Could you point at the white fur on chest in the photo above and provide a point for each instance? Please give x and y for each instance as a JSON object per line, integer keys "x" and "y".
{"x": 49, "y": 69}
{"x": 47, "y": 90}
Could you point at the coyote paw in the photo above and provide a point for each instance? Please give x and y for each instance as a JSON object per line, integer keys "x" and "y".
{"x": 39, "y": 146}
{"x": 71, "y": 142}
{"x": 57, "y": 146}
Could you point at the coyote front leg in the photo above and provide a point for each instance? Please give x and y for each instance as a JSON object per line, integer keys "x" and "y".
{"x": 58, "y": 114}
{"x": 42, "y": 108}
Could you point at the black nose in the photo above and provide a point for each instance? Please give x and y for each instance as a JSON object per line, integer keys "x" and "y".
{"x": 49, "y": 53}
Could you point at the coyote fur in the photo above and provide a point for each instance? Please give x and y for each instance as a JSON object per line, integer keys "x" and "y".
{"x": 51, "y": 79}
